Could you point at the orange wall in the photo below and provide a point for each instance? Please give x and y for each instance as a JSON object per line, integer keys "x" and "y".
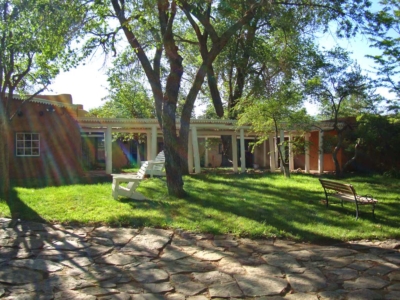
{"x": 60, "y": 144}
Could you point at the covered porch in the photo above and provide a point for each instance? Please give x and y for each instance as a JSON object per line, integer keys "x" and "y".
{"x": 203, "y": 130}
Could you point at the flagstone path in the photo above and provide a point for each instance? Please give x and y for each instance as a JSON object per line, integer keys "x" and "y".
{"x": 40, "y": 261}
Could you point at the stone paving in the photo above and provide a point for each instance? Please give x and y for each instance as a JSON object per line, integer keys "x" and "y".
{"x": 40, "y": 261}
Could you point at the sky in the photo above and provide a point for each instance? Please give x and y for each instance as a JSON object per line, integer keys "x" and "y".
{"x": 88, "y": 83}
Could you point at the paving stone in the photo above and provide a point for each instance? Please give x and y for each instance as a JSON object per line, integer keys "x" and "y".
{"x": 380, "y": 270}
{"x": 309, "y": 281}
{"x": 372, "y": 282}
{"x": 190, "y": 288}
{"x": 209, "y": 255}
{"x": 361, "y": 265}
{"x": 394, "y": 287}
{"x": 148, "y": 273}
{"x": 162, "y": 287}
{"x": 225, "y": 290}
{"x": 344, "y": 274}
{"x": 97, "y": 250}
{"x": 147, "y": 297}
{"x": 30, "y": 296}
{"x": 395, "y": 275}
{"x": 212, "y": 277}
{"x": 186, "y": 265}
{"x": 282, "y": 260}
{"x": 149, "y": 242}
{"x": 77, "y": 262}
{"x": 119, "y": 236}
{"x": 119, "y": 296}
{"x": 333, "y": 295}
{"x": 393, "y": 295}
{"x": 253, "y": 286}
{"x": 102, "y": 241}
{"x": 225, "y": 243}
{"x": 99, "y": 291}
{"x": 199, "y": 297}
{"x": 180, "y": 278}
{"x": 175, "y": 296}
{"x": 230, "y": 266}
{"x": 118, "y": 259}
{"x": 131, "y": 288}
{"x": 67, "y": 245}
{"x": 173, "y": 253}
{"x": 303, "y": 255}
{"x": 393, "y": 258}
{"x": 364, "y": 294}
{"x": 73, "y": 295}
{"x": 301, "y": 296}
{"x": 14, "y": 275}
{"x": 37, "y": 264}
{"x": 263, "y": 270}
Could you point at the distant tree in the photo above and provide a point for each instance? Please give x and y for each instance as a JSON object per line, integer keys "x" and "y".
{"x": 380, "y": 142}
{"x": 278, "y": 109}
{"x": 338, "y": 84}
{"x": 384, "y": 33}
{"x": 35, "y": 43}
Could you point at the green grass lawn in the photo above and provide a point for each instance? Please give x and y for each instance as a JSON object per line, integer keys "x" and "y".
{"x": 246, "y": 205}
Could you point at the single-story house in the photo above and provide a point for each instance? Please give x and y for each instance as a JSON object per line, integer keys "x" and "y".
{"x": 54, "y": 138}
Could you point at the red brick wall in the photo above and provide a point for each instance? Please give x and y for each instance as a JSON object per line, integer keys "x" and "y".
{"x": 60, "y": 144}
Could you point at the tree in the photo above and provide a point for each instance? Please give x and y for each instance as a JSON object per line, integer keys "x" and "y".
{"x": 338, "y": 83}
{"x": 384, "y": 31}
{"x": 35, "y": 40}
{"x": 162, "y": 39}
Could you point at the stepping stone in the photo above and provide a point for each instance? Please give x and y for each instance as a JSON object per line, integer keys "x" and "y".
{"x": 209, "y": 255}
{"x": 230, "y": 266}
{"x": 37, "y": 264}
{"x": 333, "y": 295}
{"x": 148, "y": 273}
{"x": 147, "y": 297}
{"x": 149, "y": 242}
{"x": 77, "y": 262}
{"x": 253, "y": 285}
{"x": 173, "y": 253}
{"x": 282, "y": 260}
{"x": 14, "y": 275}
{"x": 394, "y": 276}
{"x": 162, "y": 287}
{"x": 263, "y": 270}
{"x": 67, "y": 245}
{"x": 99, "y": 291}
{"x": 301, "y": 296}
{"x": 212, "y": 277}
{"x": 372, "y": 282}
{"x": 190, "y": 288}
{"x": 309, "y": 281}
{"x": 97, "y": 250}
{"x": 344, "y": 274}
{"x": 364, "y": 294}
{"x": 118, "y": 259}
{"x": 225, "y": 290}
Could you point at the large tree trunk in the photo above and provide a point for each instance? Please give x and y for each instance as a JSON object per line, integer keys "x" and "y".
{"x": 338, "y": 171}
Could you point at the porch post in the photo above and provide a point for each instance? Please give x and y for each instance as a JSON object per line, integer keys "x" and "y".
{"x": 234, "y": 153}
{"x": 148, "y": 145}
{"x": 282, "y": 141}
{"x": 291, "y": 157}
{"x": 139, "y": 160}
{"x": 196, "y": 153}
{"x": 190, "y": 154}
{"x": 108, "y": 146}
{"x": 242, "y": 153}
{"x": 205, "y": 153}
{"x": 321, "y": 152}
{"x": 272, "y": 164}
{"x": 307, "y": 153}
{"x": 153, "y": 142}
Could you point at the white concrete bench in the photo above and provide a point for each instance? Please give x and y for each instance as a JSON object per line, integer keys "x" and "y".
{"x": 133, "y": 181}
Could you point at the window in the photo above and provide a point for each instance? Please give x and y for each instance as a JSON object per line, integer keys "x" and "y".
{"x": 27, "y": 144}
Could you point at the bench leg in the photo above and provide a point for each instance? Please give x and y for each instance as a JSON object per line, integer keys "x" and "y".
{"x": 137, "y": 196}
{"x": 373, "y": 211}
{"x": 115, "y": 186}
{"x": 356, "y": 211}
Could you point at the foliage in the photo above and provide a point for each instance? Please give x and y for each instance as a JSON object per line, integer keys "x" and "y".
{"x": 380, "y": 142}
{"x": 35, "y": 43}
{"x": 246, "y": 205}
{"x": 338, "y": 85}
{"x": 384, "y": 31}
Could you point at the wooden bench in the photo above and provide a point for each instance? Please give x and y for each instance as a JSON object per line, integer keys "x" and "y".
{"x": 346, "y": 192}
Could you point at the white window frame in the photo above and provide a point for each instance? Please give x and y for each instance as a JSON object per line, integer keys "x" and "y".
{"x": 27, "y": 144}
